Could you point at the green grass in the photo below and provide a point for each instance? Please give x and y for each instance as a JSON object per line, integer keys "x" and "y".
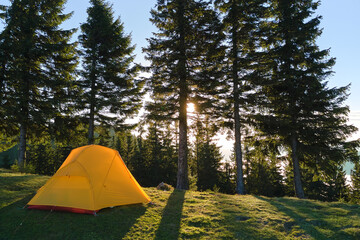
{"x": 176, "y": 215}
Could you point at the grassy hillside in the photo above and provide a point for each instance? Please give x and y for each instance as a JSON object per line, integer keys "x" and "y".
{"x": 176, "y": 215}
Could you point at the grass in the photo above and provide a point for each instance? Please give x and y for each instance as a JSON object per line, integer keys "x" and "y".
{"x": 176, "y": 215}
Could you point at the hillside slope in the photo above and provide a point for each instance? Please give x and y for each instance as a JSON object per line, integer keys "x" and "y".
{"x": 176, "y": 215}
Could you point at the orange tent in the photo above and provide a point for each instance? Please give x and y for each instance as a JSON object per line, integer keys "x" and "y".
{"x": 91, "y": 178}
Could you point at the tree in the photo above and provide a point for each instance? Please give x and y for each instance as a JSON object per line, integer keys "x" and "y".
{"x": 241, "y": 20}
{"x": 355, "y": 179}
{"x": 263, "y": 174}
{"x": 154, "y": 158}
{"x": 207, "y": 154}
{"x": 179, "y": 52}
{"x": 39, "y": 66}
{"x": 111, "y": 90}
{"x": 300, "y": 109}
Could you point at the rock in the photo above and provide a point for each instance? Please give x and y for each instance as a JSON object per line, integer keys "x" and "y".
{"x": 164, "y": 186}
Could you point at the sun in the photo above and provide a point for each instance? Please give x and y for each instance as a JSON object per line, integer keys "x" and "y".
{"x": 190, "y": 107}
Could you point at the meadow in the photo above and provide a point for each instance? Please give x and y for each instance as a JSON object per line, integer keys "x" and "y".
{"x": 176, "y": 215}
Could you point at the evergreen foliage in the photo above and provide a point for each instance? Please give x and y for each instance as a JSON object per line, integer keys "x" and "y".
{"x": 37, "y": 73}
{"x": 183, "y": 62}
{"x": 111, "y": 91}
{"x": 251, "y": 67}
{"x": 207, "y": 155}
{"x": 161, "y": 155}
{"x": 355, "y": 188}
{"x": 262, "y": 167}
{"x": 241, "y": 20}
{"x": 308, "y": 116}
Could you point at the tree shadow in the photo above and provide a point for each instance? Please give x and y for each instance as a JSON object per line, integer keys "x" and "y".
{"x": 238, "y": 221}
{"x": 169, "y": 227}
{"x": 308, "y": 219}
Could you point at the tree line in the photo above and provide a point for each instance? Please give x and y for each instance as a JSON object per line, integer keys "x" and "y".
{"x": 251, "y": 68}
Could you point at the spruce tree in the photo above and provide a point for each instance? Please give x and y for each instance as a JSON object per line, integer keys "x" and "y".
{"x": 159, "y": 154}
{"x": 263, "y": 167}
{"x": 39, "y": 65}
{"x": 355, "y": 179}
{"x": 179, "y": 52}
{"x": 111, "y": 90}
{"x": 241, "y": 19}
{"x": 300, "y": 109}
{"x": 207, "y": 154}
{"x": 2, "y": 63}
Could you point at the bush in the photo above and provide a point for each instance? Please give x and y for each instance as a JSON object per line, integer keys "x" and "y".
{"x": 28, "y": 168}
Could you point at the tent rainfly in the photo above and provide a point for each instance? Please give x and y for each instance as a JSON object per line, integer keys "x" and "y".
{"x": 91, "y": 178}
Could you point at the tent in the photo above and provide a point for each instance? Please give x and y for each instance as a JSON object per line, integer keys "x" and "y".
{"x": 91, "y": 178}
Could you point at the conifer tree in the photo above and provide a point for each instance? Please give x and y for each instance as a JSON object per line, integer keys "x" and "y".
{"x": 207, "y": 154}
{"x": 241, "y": 19}
{"x": 111, "y": 90}
{"x": 2, "y": 66}
{"x": 337, "y": 188}
{"x": 300, "y": 109}
{"x": 39, "y": 65}
{"x": 160, "y": 155}
{"x": 262, "y": 167}
{"x": 179, "y": 52}
{"x": 355, "y": 179}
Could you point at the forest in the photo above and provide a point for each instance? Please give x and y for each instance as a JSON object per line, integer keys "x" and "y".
{"x": 249, "y": 69}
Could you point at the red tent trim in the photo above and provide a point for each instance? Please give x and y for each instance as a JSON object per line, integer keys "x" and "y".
{"x": 63, "y": 209}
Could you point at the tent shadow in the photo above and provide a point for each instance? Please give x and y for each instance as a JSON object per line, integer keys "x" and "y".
{"x": 21, "y": 223}
{"x": 169, "y": 227}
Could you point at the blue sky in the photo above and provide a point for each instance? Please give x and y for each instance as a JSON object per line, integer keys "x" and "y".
{"x": 341, "y": 33}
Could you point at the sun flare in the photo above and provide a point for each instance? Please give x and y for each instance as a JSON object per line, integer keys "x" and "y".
{"x": 190, "y": 108}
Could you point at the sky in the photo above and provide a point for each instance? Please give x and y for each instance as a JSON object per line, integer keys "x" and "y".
{"x": 341, "y": 33}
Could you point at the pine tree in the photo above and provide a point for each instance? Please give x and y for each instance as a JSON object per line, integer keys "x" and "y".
{"x": 160, "y": 155}
{"x": 337, "y": 187}
{"x": 262, "y": 167}
{"x": 39, "y": 65}
{"x": 111, "y": 90}
{"x": 179, "y": 52}
{"x": 207, "y": 154}
{"x": 241, "y": 19}
{"x": 355, "y": 179}
{"x": 227, "y": 178}
{"x": 3, "y": 58}
{"x": 300, "y": 109}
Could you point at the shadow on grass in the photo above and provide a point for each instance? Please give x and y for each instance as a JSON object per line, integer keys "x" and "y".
{"x": 309, "y": 216}
{"x": 238, "y": 221}
{"x": 169, "y": 227}
{"x": 19, "y": 223}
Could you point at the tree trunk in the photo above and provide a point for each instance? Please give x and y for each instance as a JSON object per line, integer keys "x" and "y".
{"x": 240, "y": 188}
{"x": 182, "y": 174}
{"x": 92, "y": 106}
{"x": 22, "y": 145}
{"x": 299, "y": 191}
{"x": 91, "y": 125}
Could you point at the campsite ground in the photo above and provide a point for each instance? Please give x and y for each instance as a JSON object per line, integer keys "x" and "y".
{"x": 176, "y": 215}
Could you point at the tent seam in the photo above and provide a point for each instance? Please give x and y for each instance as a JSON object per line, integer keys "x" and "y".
{"x": 105, "y": 178}
{"x": 75, "y": 157}
{"x": 91, "y": 185}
